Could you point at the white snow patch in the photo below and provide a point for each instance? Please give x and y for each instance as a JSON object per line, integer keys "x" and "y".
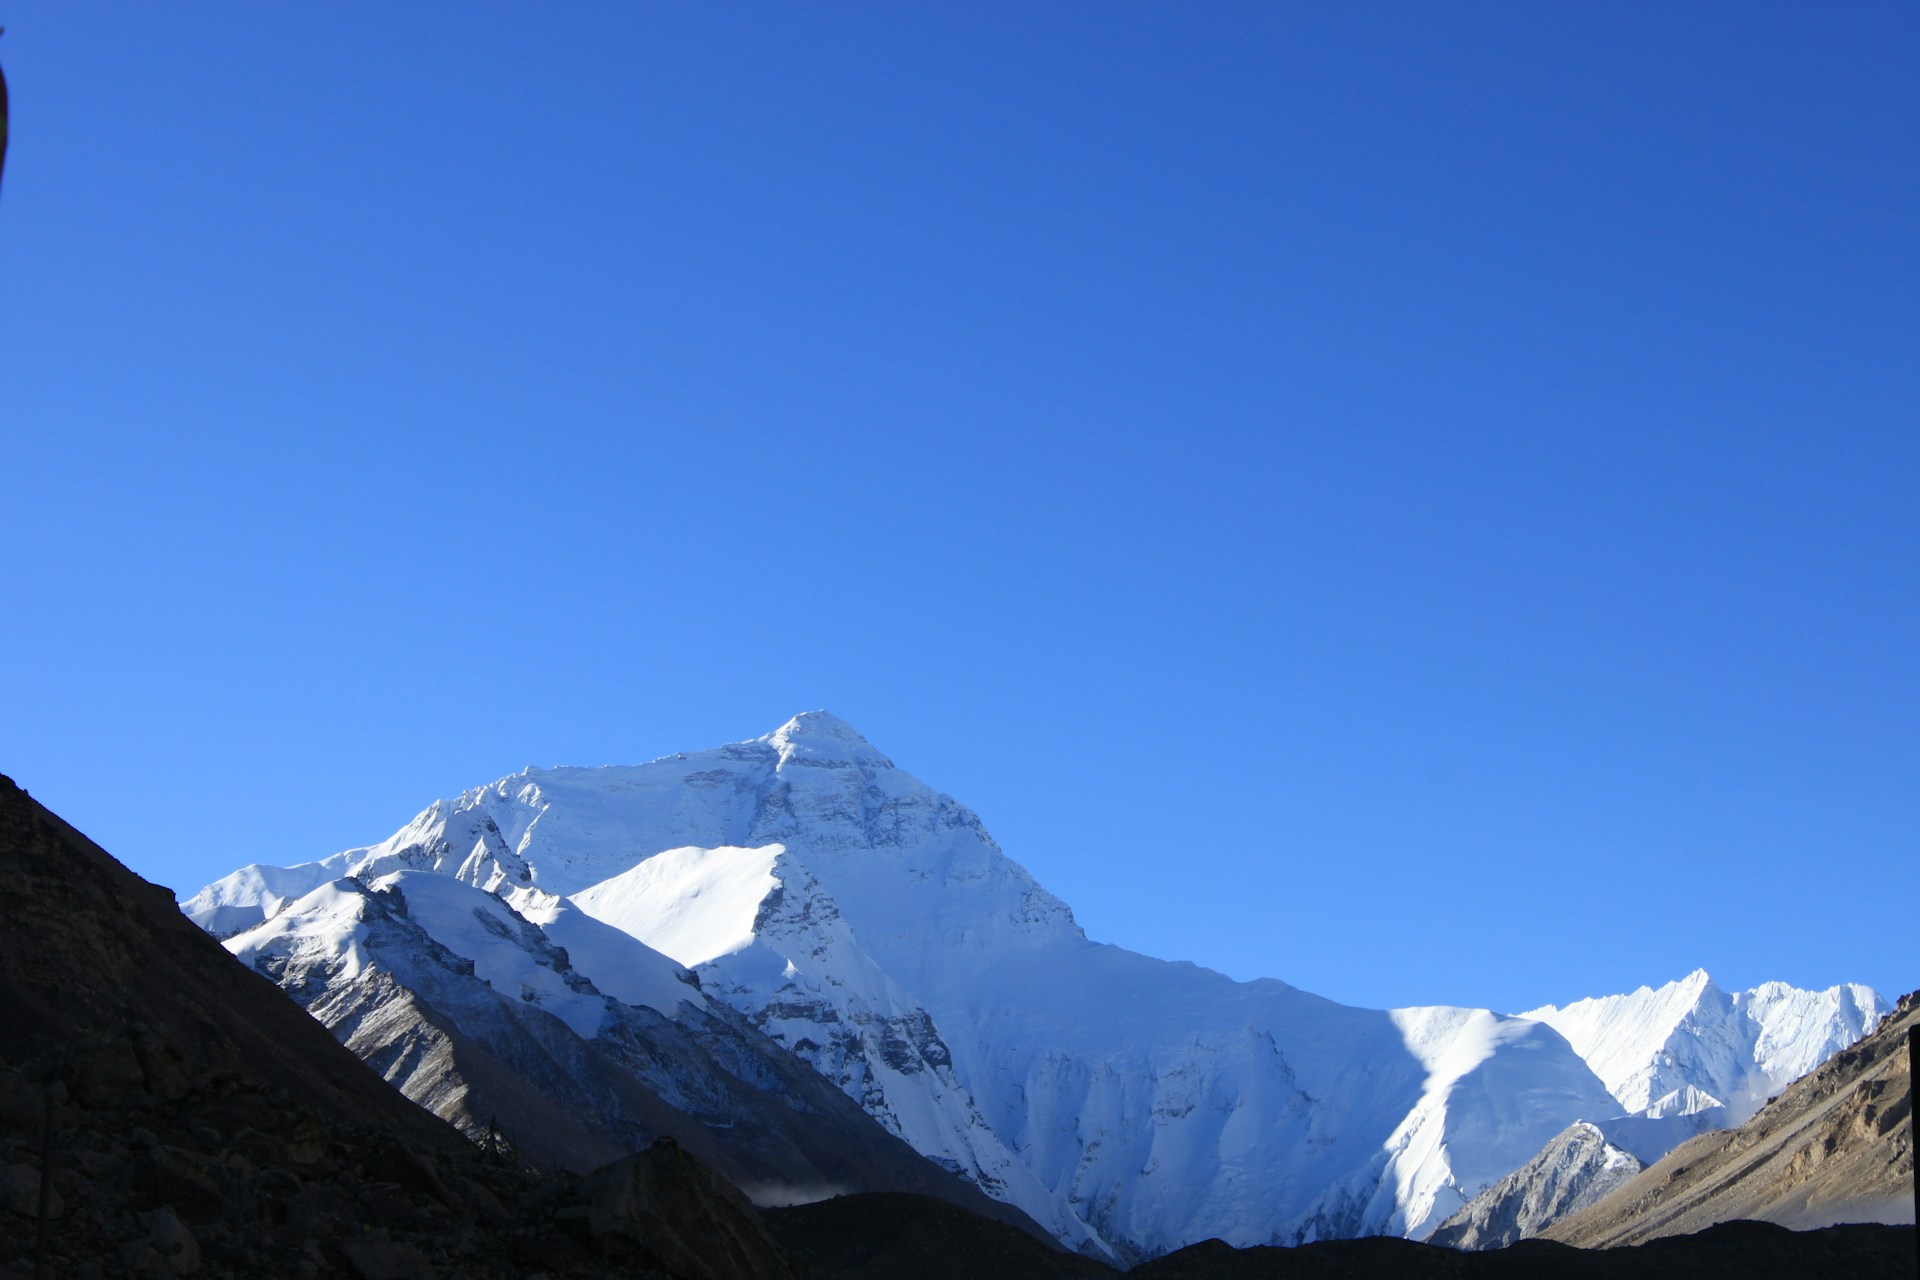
{"x": 331, "y": 919}
{"x": 618, "y": 963}
{"x": 692, "y": 904}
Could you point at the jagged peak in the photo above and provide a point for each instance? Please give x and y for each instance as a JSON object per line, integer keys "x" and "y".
{"x": 1698, "y": 987}
{"x": 1694, "y": 984}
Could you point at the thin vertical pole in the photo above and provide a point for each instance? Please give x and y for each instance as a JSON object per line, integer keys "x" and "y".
{"x": 41, "y": 1247}
{"x": 3, "y": 115}
{"x": 1913, "y": 1129}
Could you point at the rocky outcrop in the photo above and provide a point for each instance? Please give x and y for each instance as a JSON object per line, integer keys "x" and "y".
{"x": 1576, "y": 1169}
{"x": 1837, "y": 1146}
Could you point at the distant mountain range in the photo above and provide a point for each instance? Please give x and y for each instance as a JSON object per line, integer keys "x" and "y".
{"x": 567, "y": 951}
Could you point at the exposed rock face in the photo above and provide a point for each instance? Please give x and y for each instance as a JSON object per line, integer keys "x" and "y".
{"x": 204, "y": 1126}
{"x": 1837, "y": 1146}
{"x": 1576, "y": 1169}
{"x": 106, "y": 983}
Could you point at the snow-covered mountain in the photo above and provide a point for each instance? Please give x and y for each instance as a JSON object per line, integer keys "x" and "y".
{"x": 1131, "y": 1105}
{"x": 1689, "y": 1047}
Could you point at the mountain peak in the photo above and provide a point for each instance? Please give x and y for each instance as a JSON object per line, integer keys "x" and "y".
{"x": 820, "y": 737}
{"x": 816, "y": 724}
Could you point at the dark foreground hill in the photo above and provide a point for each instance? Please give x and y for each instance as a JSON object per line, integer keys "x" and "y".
{"x": 202, "y": 1125}
{"x": 901, "y": 1237}
{"x": 1734, "y": 1249}
{"x": 897, "y": 1234}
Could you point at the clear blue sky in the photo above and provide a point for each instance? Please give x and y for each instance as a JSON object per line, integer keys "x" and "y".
{"x": 1418, "y": 500}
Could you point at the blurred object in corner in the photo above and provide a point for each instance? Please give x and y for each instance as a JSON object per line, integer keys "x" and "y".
{"x": 3, "y": 116}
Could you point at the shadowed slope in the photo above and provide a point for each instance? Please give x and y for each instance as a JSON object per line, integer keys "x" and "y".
{"x": 104, "y": 978}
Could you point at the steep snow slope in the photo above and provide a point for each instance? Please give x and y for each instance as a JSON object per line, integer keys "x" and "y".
{"x": 1687, "y": 1047}
{"x": 872, "y": 926}
{"x": 696, "y": 904}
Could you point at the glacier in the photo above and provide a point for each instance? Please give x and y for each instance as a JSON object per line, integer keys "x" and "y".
{"x": 871, "y": 926}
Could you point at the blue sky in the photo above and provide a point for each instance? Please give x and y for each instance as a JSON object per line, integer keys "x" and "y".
{"x": 1415, "y": 500}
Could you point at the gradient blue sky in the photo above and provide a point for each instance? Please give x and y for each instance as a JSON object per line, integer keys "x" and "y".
{"x": 1418, "y": 500}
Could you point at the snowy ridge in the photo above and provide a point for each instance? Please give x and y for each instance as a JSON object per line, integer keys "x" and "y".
{"x": 1688, "y": 1047}
{"x": 457, "y": 837}
{"x": 871, "y": 926}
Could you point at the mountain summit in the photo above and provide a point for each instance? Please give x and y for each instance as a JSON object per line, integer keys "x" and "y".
{"x": 812, "y": 732}
{"x": 870, "y": 925}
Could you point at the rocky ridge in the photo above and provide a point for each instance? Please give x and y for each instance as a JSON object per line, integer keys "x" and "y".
{"x": 1576, "y": 1169}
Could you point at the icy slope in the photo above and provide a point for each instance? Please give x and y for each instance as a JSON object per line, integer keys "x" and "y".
{"x": 1688, "y": 1047}
{"x": 873, "y": 927}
